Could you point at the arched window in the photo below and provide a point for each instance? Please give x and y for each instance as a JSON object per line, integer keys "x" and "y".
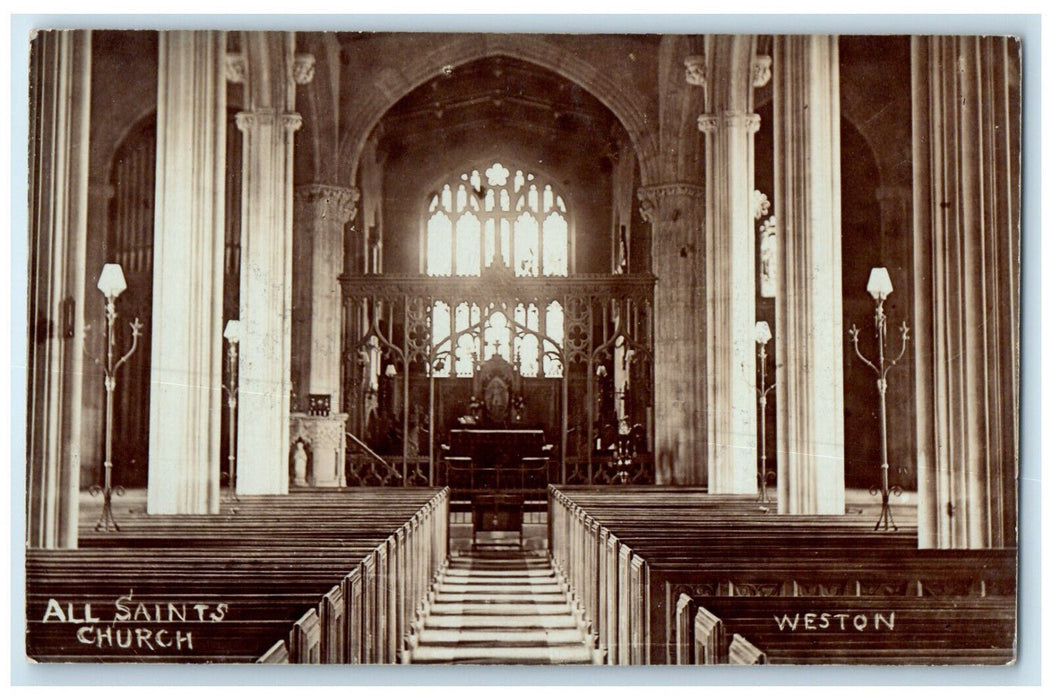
{"x": 515, "y": 219}
{"x": 489, "y": 217}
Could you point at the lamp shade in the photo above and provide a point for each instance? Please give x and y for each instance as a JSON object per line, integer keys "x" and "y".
{"x": 879, "y": 286}
{"x": 232, "y": 332}
{"x": 762, "y": 333}
{"x": 111, "y": 281}
{"x": 391, "y": 371}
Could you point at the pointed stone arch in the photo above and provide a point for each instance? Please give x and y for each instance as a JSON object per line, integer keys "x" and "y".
{"x": 631, "y": 107}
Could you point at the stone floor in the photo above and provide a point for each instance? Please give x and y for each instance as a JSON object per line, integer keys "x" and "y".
{"x": 500, "y": 604}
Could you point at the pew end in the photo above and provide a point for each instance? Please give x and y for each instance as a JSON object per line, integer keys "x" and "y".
{"x": 277, "y": 654}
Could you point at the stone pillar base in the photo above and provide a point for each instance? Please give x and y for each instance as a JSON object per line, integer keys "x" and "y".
{"x": 324, "y": 437}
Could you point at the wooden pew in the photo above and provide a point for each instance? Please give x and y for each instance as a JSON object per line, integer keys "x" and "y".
{"x": 283, "y": 571}
{"x": 742, "y": 652}
{"x": 724, "y": 545}
{"x": 277, "y": 654}
{"x": 305, "y": 639}
{"x": 891, "y": 629}
{"x": 244, "y": 587}
{"x": 192, "y": 641}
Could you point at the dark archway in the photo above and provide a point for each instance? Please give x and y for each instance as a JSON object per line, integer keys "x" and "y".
{"x": 129, "y": 242}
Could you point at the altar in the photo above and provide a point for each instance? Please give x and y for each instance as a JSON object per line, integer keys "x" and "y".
{"x": 505, "y": 460}
{"x": 493, "y": 458}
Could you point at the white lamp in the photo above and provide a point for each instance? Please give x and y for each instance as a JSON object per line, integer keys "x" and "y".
{"x": 879, "y": 286}
{"x": 232, "y": 332}
{"x": 111, "y": 281}
{"x": 762, "y": 333}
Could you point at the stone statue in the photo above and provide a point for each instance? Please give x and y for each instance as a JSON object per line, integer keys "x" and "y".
{"x": 299, "y": 464}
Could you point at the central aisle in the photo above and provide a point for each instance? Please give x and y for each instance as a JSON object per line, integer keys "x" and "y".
{"x": 501, "y": 606}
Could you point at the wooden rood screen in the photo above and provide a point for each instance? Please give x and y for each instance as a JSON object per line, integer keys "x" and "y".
{"x": 416, "y": 341}
{"x": 675, "y": 575}
{"x": 312, "y": 577}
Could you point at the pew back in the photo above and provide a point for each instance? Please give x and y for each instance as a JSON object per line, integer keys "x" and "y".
{"x": 666, "y": 548}
{"x": 266, "y": 579}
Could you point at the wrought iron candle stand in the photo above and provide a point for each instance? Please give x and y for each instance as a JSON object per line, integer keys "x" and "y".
{"x": 232, "y": 333}
{"x": 111, "y": 284}
{"x": 763, "y": 336}
{"x": 879, "y": 287}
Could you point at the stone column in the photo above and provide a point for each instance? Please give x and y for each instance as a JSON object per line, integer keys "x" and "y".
{"x": 186, "y": 333}
{"x": 60, "y": 84}
{"x": 320, "y": 213}
{"x": 966, "y": 160}
{"x": 676, "y": 215}
{"x": 808, "y": 308}
{"x": 267, "y": 127}
{"x": 730, "y": 300}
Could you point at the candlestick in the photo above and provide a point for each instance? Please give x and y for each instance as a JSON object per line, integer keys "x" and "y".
{"x": 111, "y": 284}
{"x": 879, "y": 287}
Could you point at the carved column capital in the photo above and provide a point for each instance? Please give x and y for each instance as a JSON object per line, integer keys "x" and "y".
{"x": 339, "y": 203}
{"x": 658, "y": 203}
{"x": 303, "y": 68}
{"x": 235, "y": 67}
{"x": 761, "y": 71}
{"x": 710, "y": 123}
{"x": 246, "y": 120}
{"x": 290, "y": 121}
{"x": 695, "y": 70}
{"x": 742, "y": 120}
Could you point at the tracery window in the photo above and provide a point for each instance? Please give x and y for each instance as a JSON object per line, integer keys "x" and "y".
{"x": 494, "y": 217}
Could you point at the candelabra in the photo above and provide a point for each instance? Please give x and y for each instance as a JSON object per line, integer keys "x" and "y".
{"x": 111, "y": 284}
{"x": 879, "y": 287}
{"x": 763, "y": 336}
{"x": 232, "y": 333}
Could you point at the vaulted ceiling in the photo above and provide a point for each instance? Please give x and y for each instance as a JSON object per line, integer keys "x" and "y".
{"x": 491, "y": 97}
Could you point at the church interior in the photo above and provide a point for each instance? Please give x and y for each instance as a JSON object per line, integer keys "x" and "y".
{"x": 359, "y": 348}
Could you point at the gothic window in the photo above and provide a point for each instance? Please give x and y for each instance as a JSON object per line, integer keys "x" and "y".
{"x": 494, "y": 217}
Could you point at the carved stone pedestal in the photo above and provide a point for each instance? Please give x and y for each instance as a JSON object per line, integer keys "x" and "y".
{"x": 324, "y": 438}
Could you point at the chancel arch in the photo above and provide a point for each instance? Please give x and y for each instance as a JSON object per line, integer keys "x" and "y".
{"x": 504, "y": 239}
{"x": 440, "y": 55}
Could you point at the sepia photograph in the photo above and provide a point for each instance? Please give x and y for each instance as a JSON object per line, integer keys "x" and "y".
{"x": 609, "y": 349}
